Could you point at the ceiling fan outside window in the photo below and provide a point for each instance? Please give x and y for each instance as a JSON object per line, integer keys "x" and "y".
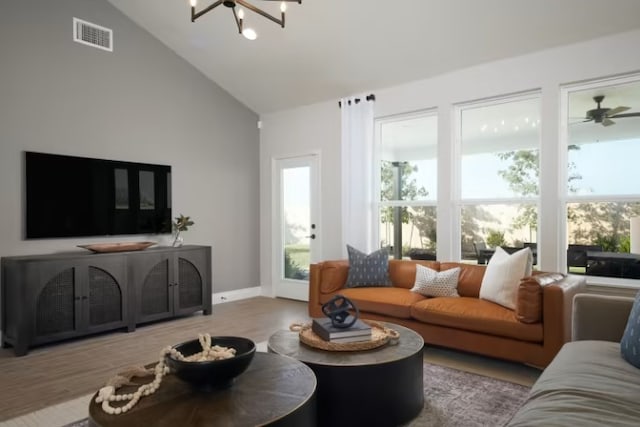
{"x": 604, "y": 115}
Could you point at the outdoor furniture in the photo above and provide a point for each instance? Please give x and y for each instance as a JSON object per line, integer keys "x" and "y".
{"x": 532, "y": 246}
{"x": 613, "y": 264}
{"x": 534, "y": 251}
{"x": 423, "y": 254}
{"x": 483, "y": 253}
{"x": 577, "y": 255}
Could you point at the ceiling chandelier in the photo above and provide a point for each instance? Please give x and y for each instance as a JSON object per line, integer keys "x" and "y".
{"x": 238, "y": 15}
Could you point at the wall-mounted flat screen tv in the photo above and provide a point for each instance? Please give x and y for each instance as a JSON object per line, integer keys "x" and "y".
{"x": 69, "y": 196}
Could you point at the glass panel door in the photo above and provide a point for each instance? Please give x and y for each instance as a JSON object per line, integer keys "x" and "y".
{"x": 297, "y": 231}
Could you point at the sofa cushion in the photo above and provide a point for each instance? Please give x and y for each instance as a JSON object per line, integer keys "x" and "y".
{"x": 432, "y": 283}
{"x": 402, "y": 272}
{"x": 501, "y": 280}
{"x": 333, "y": 275}
{"x": 587, "y": 384}
{"x": 476, "y": 315}
{"x": 392, "y": 301}
{"x": 470, "y": 277}
{"x": 368, "y": 269}
{"x": 630, "y": 343}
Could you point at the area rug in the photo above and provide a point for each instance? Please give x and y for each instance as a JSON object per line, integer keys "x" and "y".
{"x": 455, "y": 398}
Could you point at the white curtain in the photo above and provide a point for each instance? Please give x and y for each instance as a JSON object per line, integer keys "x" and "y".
{"x": 357, "y": 173}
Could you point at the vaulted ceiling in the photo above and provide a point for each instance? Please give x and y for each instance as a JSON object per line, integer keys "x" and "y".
{"x": 335, "y": 48}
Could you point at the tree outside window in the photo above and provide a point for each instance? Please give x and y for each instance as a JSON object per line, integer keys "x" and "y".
{"x": 408, "y": 184}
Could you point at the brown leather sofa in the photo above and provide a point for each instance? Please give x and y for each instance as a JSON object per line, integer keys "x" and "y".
{"x": 532, "y": 333}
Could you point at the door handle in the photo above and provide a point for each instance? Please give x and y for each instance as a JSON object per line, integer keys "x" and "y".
{"x": 313, "y": 236}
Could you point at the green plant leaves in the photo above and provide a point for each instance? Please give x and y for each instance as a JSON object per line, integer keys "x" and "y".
{"x": 182, "y": 223}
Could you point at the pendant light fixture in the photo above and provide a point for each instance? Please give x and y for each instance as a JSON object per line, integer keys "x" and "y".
{"x": 238, "y": 13}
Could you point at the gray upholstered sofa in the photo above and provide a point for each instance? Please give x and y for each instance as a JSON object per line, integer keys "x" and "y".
{"x": 588, "y": 383}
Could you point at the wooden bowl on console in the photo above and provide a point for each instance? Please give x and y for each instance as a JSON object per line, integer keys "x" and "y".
{"x": 117, "y": 247}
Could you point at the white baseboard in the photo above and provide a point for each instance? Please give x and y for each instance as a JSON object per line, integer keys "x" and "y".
{"x": 238, "y": 294}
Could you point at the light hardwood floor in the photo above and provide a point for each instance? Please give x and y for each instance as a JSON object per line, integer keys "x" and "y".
{"x": 58, "y": 373}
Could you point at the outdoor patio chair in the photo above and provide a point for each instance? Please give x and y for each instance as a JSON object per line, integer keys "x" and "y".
{"x": 534, "y": 251}
{"x": 577, "y": 255}
{"x": 482, "y": 252}
{"x": 422, "y": 254}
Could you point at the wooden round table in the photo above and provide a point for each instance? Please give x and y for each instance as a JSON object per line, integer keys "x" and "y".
{"x": 274, "y": 391}
{"x": 379, "y": 387}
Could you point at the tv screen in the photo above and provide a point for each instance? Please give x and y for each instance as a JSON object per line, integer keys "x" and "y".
{"x": 69, "y": 196}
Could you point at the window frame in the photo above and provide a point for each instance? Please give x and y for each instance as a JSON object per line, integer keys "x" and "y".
{"x": 377, "y": 158}
{"x": 458, "y": 201}
{"x": 565, "y": 199}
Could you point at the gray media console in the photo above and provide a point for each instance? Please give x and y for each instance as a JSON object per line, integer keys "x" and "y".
{"x": 48, "y": 298}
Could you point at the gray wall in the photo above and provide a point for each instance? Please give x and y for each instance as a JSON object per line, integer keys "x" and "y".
{"x": 140, "y": 103}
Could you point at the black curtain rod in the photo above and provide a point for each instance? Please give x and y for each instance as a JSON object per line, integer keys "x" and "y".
{"x": 370, "y": 97}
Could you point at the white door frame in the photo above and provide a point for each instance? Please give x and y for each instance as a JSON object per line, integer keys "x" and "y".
{"x": 291, "y": 288}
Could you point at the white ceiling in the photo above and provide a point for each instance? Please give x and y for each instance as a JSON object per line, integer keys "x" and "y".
{"x": 335, "y": 48}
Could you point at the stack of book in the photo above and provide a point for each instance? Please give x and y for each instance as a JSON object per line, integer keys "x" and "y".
{"x": 359, "y": 331}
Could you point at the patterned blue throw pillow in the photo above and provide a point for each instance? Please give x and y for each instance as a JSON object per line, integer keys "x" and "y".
{"x": 368, "y": 270}
{"x": 630, "y": 344}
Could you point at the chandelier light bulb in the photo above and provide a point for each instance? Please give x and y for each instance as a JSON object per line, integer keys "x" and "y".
{"x": 249, "y": 33}
{"x": 283, "y": 7}
{"x": 240, "y": 14}
{"x": 193, "y": 3}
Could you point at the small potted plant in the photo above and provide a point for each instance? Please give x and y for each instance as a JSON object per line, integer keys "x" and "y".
{"x": 182, "y": 223}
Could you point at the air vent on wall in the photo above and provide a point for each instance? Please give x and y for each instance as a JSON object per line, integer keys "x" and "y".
{"x": 93, "y": 35}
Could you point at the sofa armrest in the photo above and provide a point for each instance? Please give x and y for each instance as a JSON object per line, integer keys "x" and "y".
{"x": 600, "y": 317}
{"x": 325, "y": 278}
{"x": 314, "y": 306}
{"x": 557, "y": 308}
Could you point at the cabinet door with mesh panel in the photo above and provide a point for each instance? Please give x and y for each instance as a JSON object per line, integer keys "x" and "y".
{"x": 152, "y": 278}
{"x": 57, "y": 298}
{"x": 104, "y": 293}
{"x": 78, "y": 296}
{"x": 191, "y": 268}
{"x": 168, "y": 282}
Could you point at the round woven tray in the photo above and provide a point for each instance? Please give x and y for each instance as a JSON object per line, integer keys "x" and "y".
{"x": 380, "y": 335}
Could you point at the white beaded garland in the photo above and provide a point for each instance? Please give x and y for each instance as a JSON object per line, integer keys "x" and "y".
{"x": 108, "y": 393}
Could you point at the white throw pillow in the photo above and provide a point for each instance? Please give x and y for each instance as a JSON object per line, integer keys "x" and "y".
{"x": 431, "y": 283}
{"x": 503, "y": 274}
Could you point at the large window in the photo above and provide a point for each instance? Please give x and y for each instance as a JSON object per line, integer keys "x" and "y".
{"x": 408, "y": 184}
{"x": 602, "y": 175}
{"x": 499, "y": 176}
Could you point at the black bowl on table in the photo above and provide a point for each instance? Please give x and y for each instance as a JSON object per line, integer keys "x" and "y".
{"x": 212, "y": 374}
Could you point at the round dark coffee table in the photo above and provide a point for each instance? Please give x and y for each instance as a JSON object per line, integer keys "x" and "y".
{"x": 274, "y": 391}
{"x": 379, "y": 387}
